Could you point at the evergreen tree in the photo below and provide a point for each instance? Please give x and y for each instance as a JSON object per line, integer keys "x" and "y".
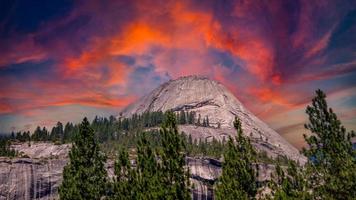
{"x": 125, "y": 184}
{"x": 291, "y": 186}
{"x": 148, "y": 173}
{"x": 5, "y": 149}
{"x": 57, "y": 132}
{"x": 332, "y": 159}
{"x": 174, "y": 178}
{"x": 84, "y": 177}
{"x": 238, "y": 180}
{"x": 68, "y": 133}
{"x": 151, "y": 179}
{"x": 39, "y": 134}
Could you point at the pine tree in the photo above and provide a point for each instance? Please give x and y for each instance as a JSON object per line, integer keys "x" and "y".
{"x": 174, "y": 178}
{"x": 57, "y": 132}
{"x": 68, "y": 133}
{"x": 5, "y": 149}
{"x": 148, "y": 172}
{"x": 332, "y": 159}
{"x": 84, "y": 177}
{"x": 291, "y": 185}
{"x": 125, "y": 184}
{"x": 39, "y": 134}
{"x": 238, "y": 179}
{"x": 151, "y": 179}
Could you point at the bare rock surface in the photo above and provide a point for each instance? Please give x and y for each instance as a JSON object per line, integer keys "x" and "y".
{"x": 38, "y": 177}
{"x": 27, "y": 178}
{"x": 209, "y": 98}
{"x": 42, "y": 149}
{"x": 35, "y": 175}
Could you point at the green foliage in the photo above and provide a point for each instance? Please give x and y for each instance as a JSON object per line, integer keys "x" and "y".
{"x": 123, "y": 130}
{"x": 149, "y": 185}
{"x": 141, "y": 182}
{"x": 85, "y": 176}
{"x": 213, "y": 149}
{"x": 22, "y": 137}
{"x": 332, "y": 159}
{"x": 40, "y": 134}
{"x": 292, "y": 184}
{"x": 175, "y": 178}
{"x": 238, "y": 179}
{"x": 69, "y": 132}
{"x": 152, "y": 178}
{"x": 124, "y": 185}
{"x": 5, "y": 149}
{"x": 57, "y": 133}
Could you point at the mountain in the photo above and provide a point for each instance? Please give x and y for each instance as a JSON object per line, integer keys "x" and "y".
{"x": 209, "y": 98}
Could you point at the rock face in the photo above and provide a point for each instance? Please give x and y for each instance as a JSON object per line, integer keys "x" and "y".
{"x": 211, "y": 99}
{"x": 26, "y": 178}
{"x": 42, "y": 150}
{"x": 37, "y": 177}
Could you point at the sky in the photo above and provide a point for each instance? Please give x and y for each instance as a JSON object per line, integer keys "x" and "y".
{"x": 62, "y": 60}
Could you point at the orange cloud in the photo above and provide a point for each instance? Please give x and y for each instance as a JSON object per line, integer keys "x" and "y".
{"x": 269, "y": 95}
{"x": 96, "y": 100}
{"x": 93, "y": 99}
{"x": 186, "y": 30}
{"x": 256, "y": 54}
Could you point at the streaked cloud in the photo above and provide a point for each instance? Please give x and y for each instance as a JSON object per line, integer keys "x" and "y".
{"x": 271, "y": 54}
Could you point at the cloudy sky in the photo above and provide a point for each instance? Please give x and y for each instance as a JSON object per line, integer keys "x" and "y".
{"x": 63, "y": 60}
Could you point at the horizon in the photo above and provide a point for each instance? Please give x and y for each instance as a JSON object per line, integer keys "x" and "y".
{"x": 66, "y": 60}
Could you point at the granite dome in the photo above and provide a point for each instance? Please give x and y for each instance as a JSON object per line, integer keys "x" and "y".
{"x": 211, "y": 98}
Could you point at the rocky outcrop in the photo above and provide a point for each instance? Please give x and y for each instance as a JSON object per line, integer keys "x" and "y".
{"x": 39, "y": 150}
{"x": 27, "y": 178}
{"x": 35, "y": 175}
{"x": 211, "y": 99}
{"x": 39, "y": 177}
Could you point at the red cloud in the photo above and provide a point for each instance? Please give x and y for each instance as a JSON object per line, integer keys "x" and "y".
{"x": 174, "y": 38}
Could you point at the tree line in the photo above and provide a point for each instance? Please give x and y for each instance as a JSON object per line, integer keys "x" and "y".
{"x": 107, "y": 129}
